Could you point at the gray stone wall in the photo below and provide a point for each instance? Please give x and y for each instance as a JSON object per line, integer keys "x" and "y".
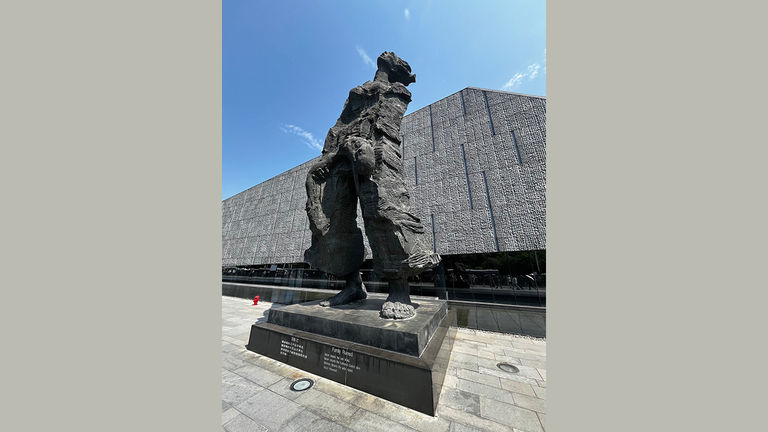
{"x": 500, "y": 135}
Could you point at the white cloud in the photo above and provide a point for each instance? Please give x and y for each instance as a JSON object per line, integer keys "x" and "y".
{"x": 309, "y": 139}
{"x": 533, "y": 70}
{"x": 531, "y": 73}
{"x": 366, "y": 59}
{"x": 514, "y": 81}
{"x": 407, "y": 13}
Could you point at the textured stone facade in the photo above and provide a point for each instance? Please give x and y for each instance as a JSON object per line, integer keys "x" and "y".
{"x": 473, "y": 148}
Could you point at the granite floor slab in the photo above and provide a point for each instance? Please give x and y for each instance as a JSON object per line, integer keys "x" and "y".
{"x": 476, "y": 396}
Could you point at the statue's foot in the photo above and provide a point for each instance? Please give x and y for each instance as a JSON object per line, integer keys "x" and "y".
{"x": 397, "y": 310}
{"x": 398, "y": 303}
{"x": 345, "y": 296}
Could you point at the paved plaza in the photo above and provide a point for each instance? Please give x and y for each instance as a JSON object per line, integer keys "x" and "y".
{"x": 476, "y": 395}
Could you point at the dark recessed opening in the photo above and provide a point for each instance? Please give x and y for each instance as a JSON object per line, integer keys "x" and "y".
{"x": 506, "y": 367}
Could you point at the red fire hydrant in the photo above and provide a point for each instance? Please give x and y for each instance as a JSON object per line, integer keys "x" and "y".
{"x": 256, "y": 300}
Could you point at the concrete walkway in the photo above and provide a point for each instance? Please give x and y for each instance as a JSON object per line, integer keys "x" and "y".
{"x": 476, "y": 395}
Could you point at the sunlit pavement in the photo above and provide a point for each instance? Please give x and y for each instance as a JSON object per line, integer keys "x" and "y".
{"x": 476, "y": 395}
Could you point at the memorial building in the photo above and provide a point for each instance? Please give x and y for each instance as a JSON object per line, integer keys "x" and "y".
{"x": 475, "y": 169}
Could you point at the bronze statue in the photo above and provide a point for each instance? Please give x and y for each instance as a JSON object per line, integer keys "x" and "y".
{"x": 361, "y": 160}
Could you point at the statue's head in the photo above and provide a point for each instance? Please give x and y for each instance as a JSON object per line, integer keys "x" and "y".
{"x": 394, "y": 69}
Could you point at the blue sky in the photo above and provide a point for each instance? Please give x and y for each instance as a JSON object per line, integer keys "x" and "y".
{"x": 287, "y": 66}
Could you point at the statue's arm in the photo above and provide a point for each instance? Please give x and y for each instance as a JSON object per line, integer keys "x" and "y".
{"x": 318, "y": 221}
{"x": 320, "y": 171}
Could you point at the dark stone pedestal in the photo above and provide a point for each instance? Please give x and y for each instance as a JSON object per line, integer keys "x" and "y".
{"x": 360, "y": 322}
{"x": 367, "y": 352}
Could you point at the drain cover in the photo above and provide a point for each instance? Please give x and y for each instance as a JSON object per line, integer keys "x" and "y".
{"x": 301, "y": 384}
{"x": 506, "y": 367}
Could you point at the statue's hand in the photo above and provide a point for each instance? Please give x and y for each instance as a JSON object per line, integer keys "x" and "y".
{"x": 321, "y": 173}
{"x": 422, "y": 260}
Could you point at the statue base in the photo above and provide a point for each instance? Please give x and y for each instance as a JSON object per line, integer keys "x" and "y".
{"x": 400, "y": 361}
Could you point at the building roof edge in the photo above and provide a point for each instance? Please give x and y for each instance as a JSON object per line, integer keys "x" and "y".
{"x": 507, "y": 92}
{"x": 477, "y": 88}
{"x": 425, "y": 106}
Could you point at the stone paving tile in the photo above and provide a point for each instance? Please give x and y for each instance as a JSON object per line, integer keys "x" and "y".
{"x": 229, "y": 365}
{"x": 470, "y": 343}
{"x": 307, "y": 421}
{"x": 463, "y": 361}
{"x": 258, "y": 375}
{"x": 492, "y": 364}
{"x": 236, "y": 389}
{"x": 241, "y": 355}
{"x": 329, "y": 407}
{"x": 527, "y": 341}
{"x": 458, "y": 427}
{"x": 528, "y": 372}
{"x": 242, "y": 423}
{"x": 450, "y": 381}
{"x": 518, "y": 387}
{"x": 454, "y": 366}
{"x": 531, "y": 403}
{"x": 543, "y": 419}
{"x": 476, "y": 395}
{"x": 458, "y": 348}
{"x": 497, "y": 350}
{"x": 243, "y": 335}
{"x": 510, "y": 415}
{"x": 483, "y": 378}
{"x": 523, "y": 353}
{"x": 461, "y": 400}
{"x": 483, "y": 390}
{"x": 230, "y": 362}
{"x": 458, "y": 416}
{"x": 366, "y": 421}
{"x": 464, "y": 358}
{"x": 520, "y": 376}
{"x": 228, "y": 347}
{"x": 228, "y": 415}
{"x": 283, "y": 388}
{"x": 532, "y": 349}
{"x": 469, "y": 339}
{"x": 484, "y": 353}
{"x": 269, "y": 409}
{"x": 539, "y": 364}
{"x": 534, "y": 344}
{"x": 468, "y": 347}
{"x": 431, "y": 424}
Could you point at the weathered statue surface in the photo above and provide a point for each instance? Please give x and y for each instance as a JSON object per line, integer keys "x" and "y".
{"x": 361, "y": 160}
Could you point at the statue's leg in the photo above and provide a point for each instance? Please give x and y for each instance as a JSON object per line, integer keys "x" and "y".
{"x": 337, "y": 242}
{"x": 396, "y": 238}
{"x": 354, "y": 290}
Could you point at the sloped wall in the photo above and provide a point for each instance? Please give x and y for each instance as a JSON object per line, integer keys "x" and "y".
{"x": 475, "y": 165}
